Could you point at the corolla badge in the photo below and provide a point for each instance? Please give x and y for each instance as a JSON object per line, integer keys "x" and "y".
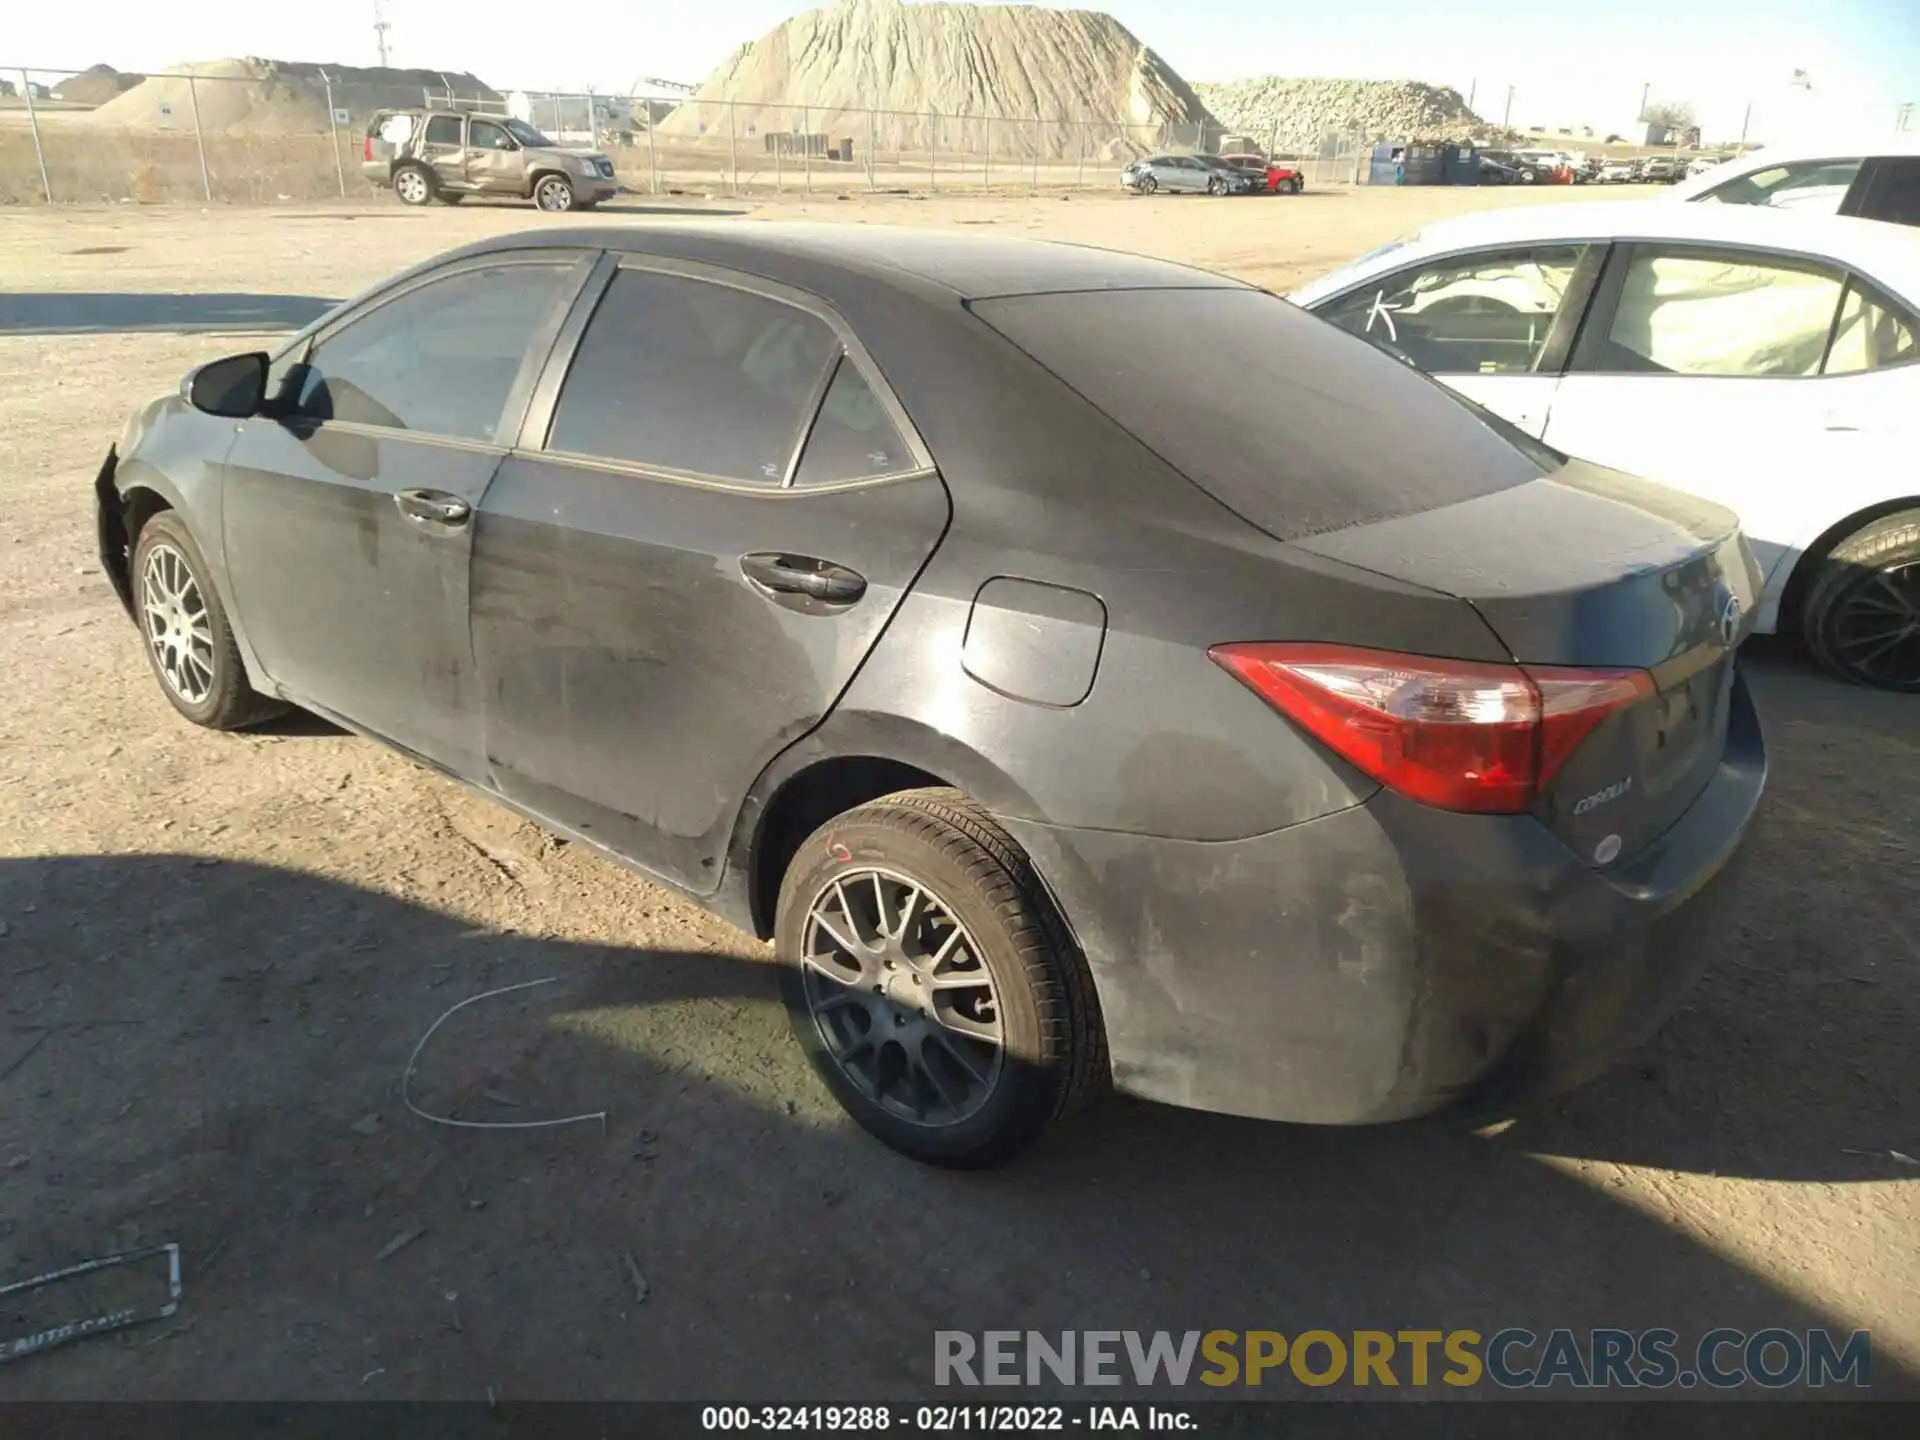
{"x": 1730, "y": 620}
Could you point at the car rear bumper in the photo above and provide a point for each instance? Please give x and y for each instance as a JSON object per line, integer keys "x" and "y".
{"x": 1389, "y": 960}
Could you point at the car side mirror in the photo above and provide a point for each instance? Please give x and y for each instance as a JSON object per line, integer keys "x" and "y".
{"x": 235, "y": 387}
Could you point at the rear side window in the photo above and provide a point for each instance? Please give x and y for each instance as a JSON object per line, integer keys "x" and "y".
{"x": 853, "y": 438}
{"x": 1870, "y": 334}
{"x": 1290, "y": 423}
{"x": 438, "y": 360}
{"x": 693, "y": 376}
{"x": 1720, "y": 315}
{"x": 443, "y": 130}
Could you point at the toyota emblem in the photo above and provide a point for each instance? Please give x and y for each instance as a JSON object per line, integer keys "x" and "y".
{"x": 1730, "y": 620}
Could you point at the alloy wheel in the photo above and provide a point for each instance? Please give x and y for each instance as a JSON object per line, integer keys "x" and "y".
{"x": 1876, "y": 630}
{"x": 178, "y": 629}
{"x": 554, "y": 194}
{"x": 411, "y": 186}
{"x": 902, "y": 998}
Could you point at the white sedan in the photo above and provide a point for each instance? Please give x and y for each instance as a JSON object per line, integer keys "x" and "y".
{"x": 1763, "y": 359}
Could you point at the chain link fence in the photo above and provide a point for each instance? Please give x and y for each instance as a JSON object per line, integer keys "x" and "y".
{"x": 299, "y": 134}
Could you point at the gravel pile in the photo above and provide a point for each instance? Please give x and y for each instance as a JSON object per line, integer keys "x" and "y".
{"x": 1306, "y": 110}
{"x": 957, "y": 61}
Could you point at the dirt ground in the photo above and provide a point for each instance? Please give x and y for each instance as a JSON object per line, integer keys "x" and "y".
{"x": 217, "y": 953}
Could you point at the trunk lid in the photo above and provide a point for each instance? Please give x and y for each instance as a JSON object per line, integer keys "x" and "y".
{"x": 1592, "y": 568}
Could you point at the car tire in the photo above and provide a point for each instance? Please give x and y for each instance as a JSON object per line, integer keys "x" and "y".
{"x": 1296, "y": 185}
{"x": 1526, "y": 177}
{"x": 1861, "y": 620}
{"x": 554, "y": 194}
{"x": 197, "y": 663}
{"x": 858, "y": 958}
{"x": 414, "y": 184}
{"x": 1149, "y": 185}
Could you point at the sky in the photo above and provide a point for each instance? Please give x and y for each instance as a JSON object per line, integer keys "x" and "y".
{"x": 1580, "y": 66}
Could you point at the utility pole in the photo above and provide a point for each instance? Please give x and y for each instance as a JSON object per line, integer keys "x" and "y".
{"x": 1473, "y": 88}
{"x": 1745, "y": 120}
{"x": 1645, "y": 91}
{"x": 1506, "y": 116}
{"x": 380, "y": 28}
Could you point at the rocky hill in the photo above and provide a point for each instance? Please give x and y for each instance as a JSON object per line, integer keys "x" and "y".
{"x": 251, "y": 96}
{"x": 1303, "y": 110}
{"x": 862, "y": 56}
{"x": 95, "y": 85}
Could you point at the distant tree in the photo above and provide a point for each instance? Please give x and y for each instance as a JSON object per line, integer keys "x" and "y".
{"x": 1670, "y": 114}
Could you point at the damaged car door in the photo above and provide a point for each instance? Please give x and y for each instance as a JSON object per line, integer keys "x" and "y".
{"x": 715, "y": 506}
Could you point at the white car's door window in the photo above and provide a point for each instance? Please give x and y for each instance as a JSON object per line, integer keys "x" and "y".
{"x": 1701, "y": 315}
{"x": 1870, "y": 335}
{"x": 1813, "y": 185}
{"x": 1487, "y": 314}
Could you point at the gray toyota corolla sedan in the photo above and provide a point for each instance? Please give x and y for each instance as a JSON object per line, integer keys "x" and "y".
{"x": 932, "y": 606}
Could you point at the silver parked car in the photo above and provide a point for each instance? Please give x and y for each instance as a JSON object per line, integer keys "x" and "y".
{"x": 1199, "y": 173}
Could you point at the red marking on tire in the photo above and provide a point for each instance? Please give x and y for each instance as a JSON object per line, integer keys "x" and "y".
{"x": 839, "y": 852}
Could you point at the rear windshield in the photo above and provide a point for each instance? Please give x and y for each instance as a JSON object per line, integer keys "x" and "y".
{"x": 1291, "y": 423}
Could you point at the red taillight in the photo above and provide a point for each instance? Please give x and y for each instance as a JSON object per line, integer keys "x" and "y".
{"x": 1456, "y": 734}
{"x": 367, "y": 152}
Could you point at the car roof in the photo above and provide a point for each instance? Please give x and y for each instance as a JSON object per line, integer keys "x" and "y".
{"x": 1890, "y": 254}
{"x": 1832, "y": 146}
{"x": 830, "y": 260}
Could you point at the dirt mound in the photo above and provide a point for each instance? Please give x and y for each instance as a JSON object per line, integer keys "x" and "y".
{"x": 1294, "y": 114}
{"x": 277, "y": 97}
{"x": 864, "y": 56}
{"x": 95, "y": 85}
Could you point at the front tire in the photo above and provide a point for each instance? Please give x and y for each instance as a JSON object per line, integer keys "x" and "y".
{"x": 932, "y": 985}
{"x": 554, "y": 194}
{"x": 183, "y": 622}
{"x": 413, "y": 184}
{"x": 1216, "y": 186}
{"x": 1861, "y": 621}
{"x": 1526, "y": 177}
{"x": 1149, "y": 185}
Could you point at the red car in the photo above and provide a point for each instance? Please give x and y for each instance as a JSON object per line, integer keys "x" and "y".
{"x": 1281, "y": 179}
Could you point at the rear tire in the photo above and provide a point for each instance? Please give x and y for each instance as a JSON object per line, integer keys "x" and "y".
{"x": 184, "y": 630}
{"x": 1526, "y": 177}
{"x": 413, "y": 184}
{"x": 864, "y": 976}
{"x": 1861, "y": 620}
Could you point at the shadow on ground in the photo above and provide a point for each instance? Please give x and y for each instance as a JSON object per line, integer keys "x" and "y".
{"x": 111, "y": 312}
{"x": 212, "y": 1054}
